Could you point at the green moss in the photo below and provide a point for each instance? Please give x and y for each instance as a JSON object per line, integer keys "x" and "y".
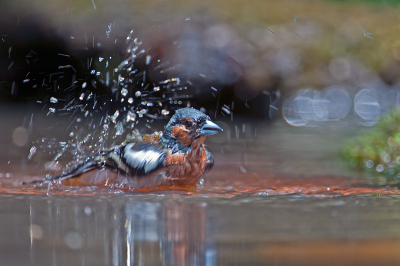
{"x": 377, "y": 153}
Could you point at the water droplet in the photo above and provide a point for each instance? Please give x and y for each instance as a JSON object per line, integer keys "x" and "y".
{"x": 242, "y": 169}
{"x": 148, "y": 59}
{"x": 226, "y": 109}
{"x": 53, "y": 100}
{"x": 119, "y": 129}
{"x": 368, "y": 35}
{"x": 369, "y": 163}
{"x": 32, "y": 152}
{"x": 164, "y": 112}
{"x": 115, "y": 116}
{"x": 52, "y": 110}
{"x": 156, "y": 88}
{"x": 82, "y": 97}
{"x": 124, "y": 92}
{"x": 130, "y": 100}
{"x": 84, "y": 85}
{"x": 130, "y": 116}
{"x": 71, "y": 134}
{"x": 138, "y": 93}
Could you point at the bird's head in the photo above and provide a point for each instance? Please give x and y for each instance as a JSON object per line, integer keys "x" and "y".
{"x": 186, "y": 126}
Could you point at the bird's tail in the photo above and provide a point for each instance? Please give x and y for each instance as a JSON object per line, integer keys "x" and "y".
{"x": 80, "y": 168}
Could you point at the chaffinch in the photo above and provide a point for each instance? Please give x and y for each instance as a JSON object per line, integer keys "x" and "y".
{"x": 178, "y": 158}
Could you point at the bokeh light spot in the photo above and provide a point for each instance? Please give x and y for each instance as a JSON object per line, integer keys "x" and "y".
{"x": 36, "y": 231}
{"x": 20, "y": 136}
{"x": 73, "y": 240}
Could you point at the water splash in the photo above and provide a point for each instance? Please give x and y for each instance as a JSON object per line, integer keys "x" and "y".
{"x": 122, "y": 94}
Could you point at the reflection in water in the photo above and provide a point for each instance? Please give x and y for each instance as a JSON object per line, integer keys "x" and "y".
{"x": 174, "y": 229}
{"x": 173, "y": 234}
{"x": 67, "y": 231}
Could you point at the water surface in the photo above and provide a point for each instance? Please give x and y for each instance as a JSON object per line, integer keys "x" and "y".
{"x": 277, "y": 196}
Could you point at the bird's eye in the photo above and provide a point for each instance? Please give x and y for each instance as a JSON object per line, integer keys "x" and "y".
{"x": 188, "y": 124}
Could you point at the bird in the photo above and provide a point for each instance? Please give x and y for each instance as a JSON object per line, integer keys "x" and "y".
{"x": 177, "y": 159}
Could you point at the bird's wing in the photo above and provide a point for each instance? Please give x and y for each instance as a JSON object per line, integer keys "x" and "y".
{"x": 139, "y": 158}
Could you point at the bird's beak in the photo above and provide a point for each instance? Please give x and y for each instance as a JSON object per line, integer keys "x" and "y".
{"x": 210, "y": 128}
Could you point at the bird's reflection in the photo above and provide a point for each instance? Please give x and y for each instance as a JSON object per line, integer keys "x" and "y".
{"x": 118, "y": 231}
{"x": 185, "y": 233}
{"x": 172, "y": 233}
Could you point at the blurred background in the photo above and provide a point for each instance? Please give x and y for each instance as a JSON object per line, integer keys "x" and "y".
{"x": 289, "y": 81}
{"x": 251, "y": 53}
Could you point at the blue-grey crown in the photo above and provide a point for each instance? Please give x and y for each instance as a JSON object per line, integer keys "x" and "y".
{"x": 180, "y": 114}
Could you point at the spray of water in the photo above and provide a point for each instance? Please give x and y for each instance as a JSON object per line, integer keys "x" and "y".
{"x": 98, "y": 120}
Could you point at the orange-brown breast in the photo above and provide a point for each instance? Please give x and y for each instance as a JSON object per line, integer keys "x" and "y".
{"x": 187, "y": 173}
{"x": 175, "y": 158}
